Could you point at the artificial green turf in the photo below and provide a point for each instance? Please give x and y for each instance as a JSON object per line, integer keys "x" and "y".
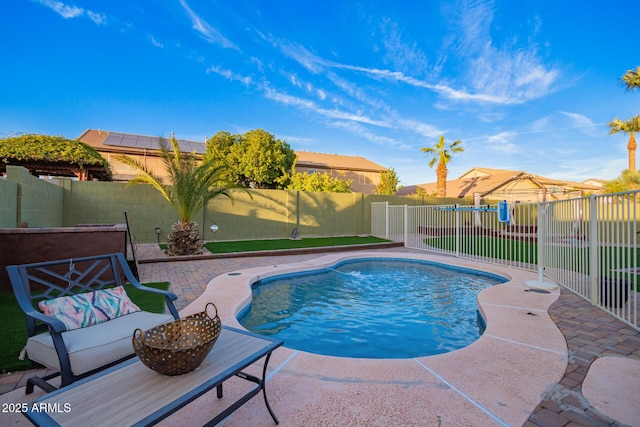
{"x": 278, "y": 244}
{"x": 13, "y": 332}
{"x": 148, "y": 301}
{"x": 512, "y": 250}
{"x": 527, "y": 252}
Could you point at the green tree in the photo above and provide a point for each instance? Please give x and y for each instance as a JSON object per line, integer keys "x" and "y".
{"x": 389, "y": 183}
{"x": 627, "y": 181}
{"x": 192, "y": 186}
{"x": 631, "y": 79}
{"x": 629, "y": 127}
{"x": 319, "y": 182}
{"x": 219, "y": 145}
{"x": 442, "y": 155}
{"x": 256, "y": 158}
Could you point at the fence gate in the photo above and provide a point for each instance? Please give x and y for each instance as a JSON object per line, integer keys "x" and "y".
{"x": 379, "y": 220}
{"x": 387, "y": 222}
{"x": 590, "y": 246}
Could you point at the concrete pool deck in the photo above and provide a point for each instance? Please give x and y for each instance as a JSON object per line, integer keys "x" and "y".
{"x": 513, "y": 375}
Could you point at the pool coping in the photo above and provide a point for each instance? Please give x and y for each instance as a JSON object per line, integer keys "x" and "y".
{"x": 499, "y": 379}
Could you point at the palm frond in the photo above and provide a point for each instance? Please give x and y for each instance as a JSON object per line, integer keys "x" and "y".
{"x": 192, "y": 186}
{"x": 627, "y": 126}
{"x": 631, "y": 79}
{"x": 145, "y": 176}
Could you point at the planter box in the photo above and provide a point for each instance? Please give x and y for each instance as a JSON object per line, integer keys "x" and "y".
{"x": 28, "y": 245}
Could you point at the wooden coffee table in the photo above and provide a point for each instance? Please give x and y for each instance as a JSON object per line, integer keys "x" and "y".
{"x": 132, "y": 394}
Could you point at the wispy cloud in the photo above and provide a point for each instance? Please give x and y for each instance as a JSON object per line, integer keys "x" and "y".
{"x": 335, "y": 113}
{"x": 62, "y": 9}
{"x": 316, "y": 65}
{"x": 301, "y": 55}
{"x": 419, "y": 127}
{"x": 207, "y": 32}
{"x": 300, "y": 140}
{"x": 98, "y": 18}
{"x": 258, "y": 63}
{"x": 400, "y": 55}
{"x": 155, "y": 42}
{"x": 355, "y": 122}
{"x": 352, "y": 90}
{"x": 361, "y": 131}
{"x": 71, "y": 11}
{"x": 584, "y": 124}
{"x": 509, "y": 74}
{"x": 230, "y": 75}
{"x": 502, "y": 142}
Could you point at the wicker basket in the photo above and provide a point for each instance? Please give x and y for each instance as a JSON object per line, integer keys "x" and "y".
{"x": 178, "y": 347}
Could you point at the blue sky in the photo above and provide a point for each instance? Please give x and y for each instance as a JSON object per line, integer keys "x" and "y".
{"x": 526, "y": 85}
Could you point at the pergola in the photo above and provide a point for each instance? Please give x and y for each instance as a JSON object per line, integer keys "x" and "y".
{"x": 59, "y": 168}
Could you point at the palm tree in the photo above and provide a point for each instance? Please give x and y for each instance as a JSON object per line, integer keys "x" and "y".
{"x": 192, "y": 187}
{"x": 442, "y": 155}
{"x": 631, "y": 79}
{"x": 630, "y": 127}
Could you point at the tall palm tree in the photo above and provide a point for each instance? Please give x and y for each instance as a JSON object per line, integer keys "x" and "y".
{"x": 192, "y": 186}
{"x": 442, "y": 155}
{"x": 629, "y": 127}
{"x": 631, "y": 79}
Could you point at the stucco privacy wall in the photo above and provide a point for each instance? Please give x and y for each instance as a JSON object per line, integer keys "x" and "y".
{"x": 258, "y": 214}
{"x": 8, "y": 203}
{"x": 37, "y": 202}
{"x": 93, "y": 202}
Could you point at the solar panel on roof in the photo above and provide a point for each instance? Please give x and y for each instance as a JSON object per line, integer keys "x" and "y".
{"x": 150, "y": 142}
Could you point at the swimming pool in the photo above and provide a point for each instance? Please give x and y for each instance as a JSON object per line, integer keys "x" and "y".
{"x": 371, "y": 308}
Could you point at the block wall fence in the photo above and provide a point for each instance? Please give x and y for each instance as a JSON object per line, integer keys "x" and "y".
{"x": 26, "y": 201}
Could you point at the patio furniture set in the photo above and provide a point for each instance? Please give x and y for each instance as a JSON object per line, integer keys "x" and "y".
{"x": 81, "y": 323}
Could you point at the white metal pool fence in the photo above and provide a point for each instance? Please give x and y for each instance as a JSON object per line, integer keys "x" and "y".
{"x": 588, "y": 245}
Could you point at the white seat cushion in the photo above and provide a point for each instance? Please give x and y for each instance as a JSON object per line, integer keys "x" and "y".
{"x": 94, "y": 346}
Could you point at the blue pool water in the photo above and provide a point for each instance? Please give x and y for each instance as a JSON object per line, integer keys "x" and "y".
{"x": 373, "y": 308}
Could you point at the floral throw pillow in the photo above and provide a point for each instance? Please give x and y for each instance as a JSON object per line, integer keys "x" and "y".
{"x": 79, "y": 311}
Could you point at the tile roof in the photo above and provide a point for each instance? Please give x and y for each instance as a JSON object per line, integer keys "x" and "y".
{"x": 336, "y": 161}
{"x": 476, "y": 171}
{"x": 486, "y": 184}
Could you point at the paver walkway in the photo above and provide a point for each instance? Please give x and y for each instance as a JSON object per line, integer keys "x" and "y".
{"x": 590, "y": 333}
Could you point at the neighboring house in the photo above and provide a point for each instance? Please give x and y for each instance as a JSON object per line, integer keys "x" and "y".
{"x": 145, "y": 149}
{"x": 595, "y": 182}
{"x": 363, "y": 173}
{"x": 501, "y": 184}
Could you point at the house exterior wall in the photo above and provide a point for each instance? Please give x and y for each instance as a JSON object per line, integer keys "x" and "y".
{"x": 123, "y": 172}
{"x": 521, "y": 191}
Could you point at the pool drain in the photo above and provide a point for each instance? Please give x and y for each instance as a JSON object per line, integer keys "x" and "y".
{"x": 538, "y": 291}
